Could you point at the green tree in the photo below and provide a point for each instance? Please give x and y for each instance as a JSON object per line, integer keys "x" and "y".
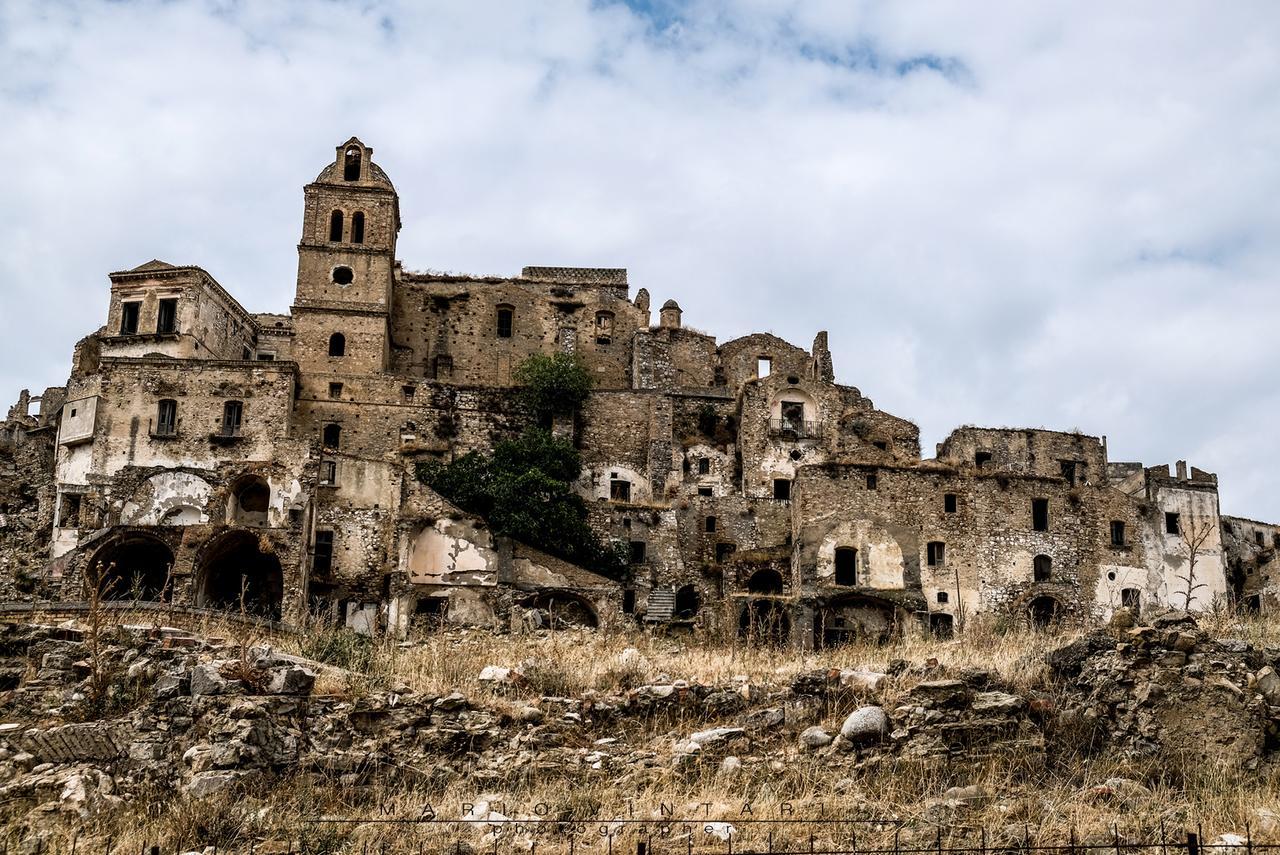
{"x": 553, "y": 385}
{"x": 524, "y": 490}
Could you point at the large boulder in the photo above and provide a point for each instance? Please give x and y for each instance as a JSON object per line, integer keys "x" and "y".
{"x": 865, "y": 725}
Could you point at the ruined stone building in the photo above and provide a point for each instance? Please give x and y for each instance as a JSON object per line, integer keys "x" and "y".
{"x": 207, "y": 454}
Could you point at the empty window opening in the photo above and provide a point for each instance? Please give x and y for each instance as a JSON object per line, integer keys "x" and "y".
{"x": 245, "y": 353}
{"x": 766, "y": 581}
{"x": 322, "y": 560}
{"x": 981, "y": 459}
{"x": 1042, "y": 568}
{"x": 604, "y": 327}
{"x": 343, "y": 275}
{"x": 846, "y": 565}
{"x": 943, "y": 597}
{"x": 637, "y": 551}
{"x": 252, "y": 499}
{"x": 407, "y": 392}
{"x": 881, "y": 444}
{"x": 443, "y": 367}
{"x": 687, "y": 603}
{"x": 357, "y": 227}
{"x": 949, "y": 503}
{"x": 725, "y": 551}
{"x": 337, "y": 344}
{"x": 1117, "y": 533}
{"x": 351, "y": 165}
{"x": 332, "y": 435}
{"x": 793, "y": 415}
{"x": 793, "y": 380}
{"x": 935, "y": 553}
{"x": 706, "y": 491}
{"x": 763, "y": 366}
{"x": 1040, "y": 514}
{"x": 328, "y": 473}
{"x": 1253, "y": 604}
{"x": 167, "y": 417}
{"x": 335, "y": 227}
{"x": 506, "y": 321}
{"x": 629, "y": 601}
{"x": 167, "y": 315}
{"x": 1131, "y": 599}
{"x": 335, "y": 390}
{"x": 266, "y": 357}
{"x": 1172, "y": 523}
{"x": 873, "y": 481}
{"x": 782, "y": 489}
{"x": 430, "y": 612}
{"x": 69, "y": 513}
{"x": 619, "y": 490}
{"x": 1260, "y": 538}
{"x": 709, "y": 524}
{"x": 1275, "y": 538}
{"x": 232, "y": 413}
{"x": 1069, "y": 471}
{"x": 704, "y": 465}
{"x": 129, "y": 318}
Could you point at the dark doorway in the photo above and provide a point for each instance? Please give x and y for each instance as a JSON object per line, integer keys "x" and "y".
{"x": 237, "y": 575}
{"x": 846, "y": 565}
{"x": 765, "y": 622}
{"x": 1043, "y": 611}
{"x": 766, "y": 581}
{"x": 135, "y": 567}
{"x": 942, "y": 625}
{"x": 1131, "y": 599}
{"x": 687, "y": 603}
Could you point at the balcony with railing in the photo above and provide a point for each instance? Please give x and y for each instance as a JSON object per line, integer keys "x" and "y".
{"x": 794, "y": 429}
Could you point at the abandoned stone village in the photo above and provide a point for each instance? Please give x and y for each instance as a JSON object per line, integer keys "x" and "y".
{"x": 217, "y": 458}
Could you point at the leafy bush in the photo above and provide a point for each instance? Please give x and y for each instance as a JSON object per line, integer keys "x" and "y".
{"x": 553, "y": 385}
{"x": 524, "y": 491}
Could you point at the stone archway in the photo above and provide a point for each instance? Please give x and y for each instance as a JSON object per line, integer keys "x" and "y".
{"x": 765, "y": 621}
{"x": 853, "y": 619}
{"x": 237, "y": 574}
{"x": 1044, "y": 610}
{"x": 765, "y": 581}
{"x": 563, "y": 610}
{"x": 133, "y": 566}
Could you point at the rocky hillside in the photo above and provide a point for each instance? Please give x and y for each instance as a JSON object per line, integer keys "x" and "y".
{"x": 152, "y": 736}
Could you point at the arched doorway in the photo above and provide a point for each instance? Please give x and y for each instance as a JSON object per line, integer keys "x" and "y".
{"x": 765, "y": 622}
{"x": 1042, "y": 611}
{"x": 134, "y": 566}
{"x": 235, "y": 568}
{"x": 765, "y": 581}
{"x": 853, "y": 619}
{"x": 560, "y": 610}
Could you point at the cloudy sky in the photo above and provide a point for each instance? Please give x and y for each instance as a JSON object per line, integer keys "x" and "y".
{"x": 1009, "y": 214}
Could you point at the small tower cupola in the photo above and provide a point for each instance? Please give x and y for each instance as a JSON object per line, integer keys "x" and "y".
{"x": 669, "y": 315}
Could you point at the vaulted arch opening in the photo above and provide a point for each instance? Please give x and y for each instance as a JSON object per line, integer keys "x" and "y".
{"x": 134, "y": 566}
{"x": 765, "y": 581}
{"x": 250, "y": 499}
{"x": 335, "y": 227}
{"x": 1043, "y": 611}
{"x": 562, "y": 610}
{"x": 854, "y": 619}
{"x": 237, "y": 573}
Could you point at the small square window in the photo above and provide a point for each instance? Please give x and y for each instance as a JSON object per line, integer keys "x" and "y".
{"x": 981, "y": 459}
{"x": 943, "y": 597}
{"x": 619, "y": 490}
{"x": 1040, "y": 514}
{"x": 935, "y": 553}
{"x": 704, "y": 465}
{"x": 1117, "y": 533}
{"x": 724, "y": 551}
{"x": 407, "y": 392}
{"x": 949, "y": 503}
{"x": 782, "y": 489}
{"x": 872, "y": 481}
{"x": 335, "y": 390}
{"x": 710, "y": 524}
{"x": 1172, "y": 523}
{"x": 637, "y": 551}
{"x": 706, "y": 491}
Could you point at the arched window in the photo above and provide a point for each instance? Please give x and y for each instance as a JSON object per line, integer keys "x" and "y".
{"x": 846, "y": 565}
{"x": 1042, "y": 568}
{"x": 351, "y": 165}
{"x": 604, "y": 327}
{"x": 335, "y": 227}
{"x": 506, "y": 321}
{"x": 357, "y": 227}
{"x": 337, "y": 344}
{"x": 332, "y": 435}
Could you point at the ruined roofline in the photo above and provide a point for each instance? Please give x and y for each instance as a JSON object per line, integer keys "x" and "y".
{"x": 581, "y": 279}
{"x": 284, "y": 366}
{"x": 1014, "y": 430}
{"x": 1229, "y": 518}
{"x": 175, "y": 272}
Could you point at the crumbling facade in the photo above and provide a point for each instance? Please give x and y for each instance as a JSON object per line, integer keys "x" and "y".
{"x": 218, "y": 458}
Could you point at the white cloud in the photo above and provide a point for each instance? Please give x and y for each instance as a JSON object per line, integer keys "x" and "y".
{"x": 1009, "y": 214}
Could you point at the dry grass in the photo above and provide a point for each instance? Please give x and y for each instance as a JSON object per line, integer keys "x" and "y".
{"x": 1051, "y": 803}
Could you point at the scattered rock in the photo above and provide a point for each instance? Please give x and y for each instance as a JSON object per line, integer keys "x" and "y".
{"x": 865, "y": 725}
{"x": 291, "y": 680}
{"x": 970, "y": 796}
{"x": 207, "y": 680}
{"x": 815, "y": 737}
